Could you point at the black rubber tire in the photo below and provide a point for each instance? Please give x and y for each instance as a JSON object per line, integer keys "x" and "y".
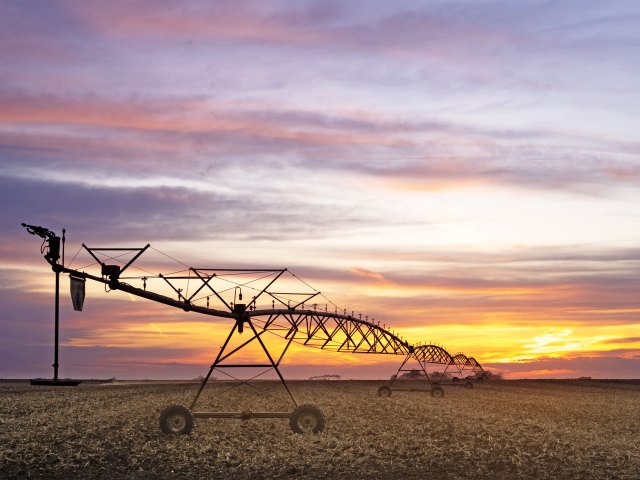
{"x": 176, "y": 420}
{"x": 455, "y": 379}
{"x": 384, "y": 391}
{"x": 468, "y": 385}
{"x": 435, "y": 384}
{"x": 437, "y": 392}
{"x": 306, "y": 419}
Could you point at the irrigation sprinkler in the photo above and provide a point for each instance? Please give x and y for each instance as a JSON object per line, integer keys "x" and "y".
{"x": 414, "y": 367}
{"x": 276, "y": 314}
{"x": 463, "y": 364}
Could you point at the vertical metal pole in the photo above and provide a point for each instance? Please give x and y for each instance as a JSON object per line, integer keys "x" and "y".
{"x": 57, "y": 319}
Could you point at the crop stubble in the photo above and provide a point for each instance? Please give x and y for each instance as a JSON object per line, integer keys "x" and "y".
{"x": 498, "y": 430}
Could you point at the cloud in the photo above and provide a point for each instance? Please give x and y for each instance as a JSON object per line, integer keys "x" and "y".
{"x": 361, "y": 272}
{"x": 624, "y": 340}
{"x": 138, "y": 135}
{"x": 460, "y": 48}
{"x": 26, "y": 32}
{"x": 596, "y": 367}
{"x": 304, "y": 23}
{"x": 115, "y": 214}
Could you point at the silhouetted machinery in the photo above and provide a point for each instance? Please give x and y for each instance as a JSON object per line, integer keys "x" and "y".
{"x": 455, "y": 371}
{"x": 274, "y": 308}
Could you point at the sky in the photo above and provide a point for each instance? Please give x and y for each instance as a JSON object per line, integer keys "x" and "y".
{"x": 467, "y": 172}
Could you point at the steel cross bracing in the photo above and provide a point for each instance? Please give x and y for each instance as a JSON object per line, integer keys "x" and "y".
{"x": 333, "y": 331}
{"x": 435, "y": 354}
{"x": 421, "y": 357}
{"x": 432, "y": 354}
{"x": 288, "y": 317}
{"x": 467, "y": 363}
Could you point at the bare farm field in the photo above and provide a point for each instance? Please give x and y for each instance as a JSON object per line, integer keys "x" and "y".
{"x": 497, "y": 430}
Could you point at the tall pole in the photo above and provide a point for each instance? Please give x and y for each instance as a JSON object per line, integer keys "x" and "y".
{"x": 57, "y": 319}
{"x": 52, "y": 255}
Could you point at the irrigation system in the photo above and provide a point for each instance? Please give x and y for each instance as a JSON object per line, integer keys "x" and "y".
{"x": 275, "y": 307}
{"x": 415, "y": 365}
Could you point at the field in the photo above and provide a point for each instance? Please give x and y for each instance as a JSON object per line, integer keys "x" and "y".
{"x": 498, "y": 430}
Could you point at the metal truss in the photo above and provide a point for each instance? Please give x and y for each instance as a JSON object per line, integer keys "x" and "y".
{"x": 290, "y": 316}
{"x": 422, "y": 356}
{"x": 332, "y": 331}
{"x": 468, "y": 363}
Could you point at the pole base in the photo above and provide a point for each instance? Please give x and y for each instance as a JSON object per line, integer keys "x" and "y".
{"x": 55, "y": 383}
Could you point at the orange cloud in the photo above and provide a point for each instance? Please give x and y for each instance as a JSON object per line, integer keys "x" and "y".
{"x": 363, "y": 272}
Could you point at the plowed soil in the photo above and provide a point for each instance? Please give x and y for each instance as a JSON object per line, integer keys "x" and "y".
{"x": 498, "y": 430}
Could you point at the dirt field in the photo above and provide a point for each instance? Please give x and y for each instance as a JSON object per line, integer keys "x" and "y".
{"x": 498, "y": 430}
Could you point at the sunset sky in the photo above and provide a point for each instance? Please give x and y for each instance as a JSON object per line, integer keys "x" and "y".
{"x": 467, "y": 172}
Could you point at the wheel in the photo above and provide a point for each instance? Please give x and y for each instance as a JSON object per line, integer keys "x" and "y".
{"x": 437, "y": 392}
{"x": 435, "y": 384}
{"x": 306, "y": 419}
{"x": 176, "y": 419}
{"x": 384, "y": 391}
{"x": 468, "y": 385}
{"x": 455, "y": 379}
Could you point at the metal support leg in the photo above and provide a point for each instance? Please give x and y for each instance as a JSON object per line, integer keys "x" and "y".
{"x": 395, "y": 377}
{"x": 57, "y": 323}
{"x": 222, "y": 356}
{"x": 424, "y": 370}
{"x": 274, "y": 364}
{"x": 213, "y": 366}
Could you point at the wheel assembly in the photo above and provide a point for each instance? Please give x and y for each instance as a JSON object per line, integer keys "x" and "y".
{"x": 468, "y": 385}
{"x": 455, "y": 379}
{"x": 176, "y": 419}
{"x": 435, "y": 384}
{"x": 384, "y": 391}
{"x": 437, "y": 392}
{"x": 306, "y": 419}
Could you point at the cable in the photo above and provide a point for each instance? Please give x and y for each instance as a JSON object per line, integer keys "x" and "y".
{"x": 74, "y": 257}
{"x": 312, "y": 288}
{"x": 107, "y": 257}
{"x": 169, "y": 256}
{"x": 302, "y": 280}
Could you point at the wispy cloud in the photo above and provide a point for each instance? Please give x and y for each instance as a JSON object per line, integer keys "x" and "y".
{"x": 136, "y": 134}
{"x": 596, "y": 367}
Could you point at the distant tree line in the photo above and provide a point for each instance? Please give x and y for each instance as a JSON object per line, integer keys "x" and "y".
{"x": 325, "y": 377}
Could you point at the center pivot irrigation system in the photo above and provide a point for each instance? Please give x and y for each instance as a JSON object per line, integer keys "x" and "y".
{"x": 278, "y": 305}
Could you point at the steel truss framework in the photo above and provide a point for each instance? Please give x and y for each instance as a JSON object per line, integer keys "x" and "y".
{"x": 468, "y": 363}
{"x": 422, "y": 356}
{"x": 289, "y": 317}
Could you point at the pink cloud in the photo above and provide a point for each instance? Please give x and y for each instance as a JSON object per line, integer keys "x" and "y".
{"x": 222, "y": 20}
{"x": 362, "y": 272}
{"x": 598, "y": 365}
